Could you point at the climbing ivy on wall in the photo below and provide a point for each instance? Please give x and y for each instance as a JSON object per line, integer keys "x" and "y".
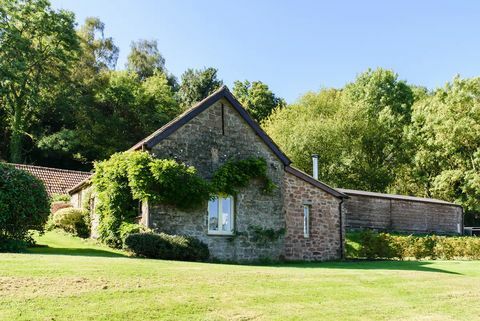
{"x": 124, "y": 179}
{"x": 237, "y": 174}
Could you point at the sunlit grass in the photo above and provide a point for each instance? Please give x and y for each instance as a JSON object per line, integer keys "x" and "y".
{"x": 62, "y": 283}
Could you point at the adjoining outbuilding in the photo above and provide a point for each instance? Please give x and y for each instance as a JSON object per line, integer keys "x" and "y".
{"x": 389, "y": 212}
{"x": 56, "y": 180}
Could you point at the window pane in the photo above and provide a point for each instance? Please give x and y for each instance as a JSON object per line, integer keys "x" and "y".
{"x": 213, "y": 215}
{"x": 227, "y": 214}
{"x": 306, "y": 221}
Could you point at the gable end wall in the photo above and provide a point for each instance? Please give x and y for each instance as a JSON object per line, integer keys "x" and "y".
{"x": 324, "y": 242}
{"x": 205, "y": 143}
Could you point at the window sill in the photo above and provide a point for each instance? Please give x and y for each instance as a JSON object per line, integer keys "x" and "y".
{"x": 213, "y": 233}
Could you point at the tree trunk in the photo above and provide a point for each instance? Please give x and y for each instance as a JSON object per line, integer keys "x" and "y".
{"x": 16, "y": 136}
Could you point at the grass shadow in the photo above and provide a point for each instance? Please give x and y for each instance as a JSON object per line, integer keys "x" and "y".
{"x": 73, "y": 251}
{"x": 421, "y": 266}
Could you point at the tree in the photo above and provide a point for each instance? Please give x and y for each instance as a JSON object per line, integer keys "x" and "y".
{"x": 446, "y": 132}
{"x": 145, "y": 59}
{"x": 38, "y": 45}
{"x": 121, "y": 112}
{"x": 378, "y": 105}
{"x": 358, "y": 132}
{"x": 197, "y": 85}
{"x": 257, "y": 98}
{"x": 314, "y": 125}
{"x": 59, "y": 140}
{"x": 98, "y": 53}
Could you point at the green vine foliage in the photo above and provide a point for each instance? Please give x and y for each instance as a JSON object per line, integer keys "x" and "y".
{"x": 265, "y": 236}
{"x": 234, "y": 175}
{"x": 128, "y": 177}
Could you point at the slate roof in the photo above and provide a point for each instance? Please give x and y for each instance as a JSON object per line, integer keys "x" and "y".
{"x": 353, "y": 192}
{"x": 56, "y": 180}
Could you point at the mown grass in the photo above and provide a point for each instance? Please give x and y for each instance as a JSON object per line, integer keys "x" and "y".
{"x": 62, "y": 283}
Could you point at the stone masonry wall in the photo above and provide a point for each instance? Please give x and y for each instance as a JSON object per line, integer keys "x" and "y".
{"x": 324, "y": 242}
{"x": 401, "y": 215}
{"x": 202, "y": 143}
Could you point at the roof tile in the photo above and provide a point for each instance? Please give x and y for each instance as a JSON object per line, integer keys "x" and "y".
{"x": 56, "y": 180}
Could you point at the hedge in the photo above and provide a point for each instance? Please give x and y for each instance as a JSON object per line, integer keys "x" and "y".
{"x": 168, "y": 247}
{"x": 373, "y": 245}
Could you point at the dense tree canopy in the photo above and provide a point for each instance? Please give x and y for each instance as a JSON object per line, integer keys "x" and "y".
{"x": 196, "y": 85}
{"x": 145, "y": 59}
{"x": 445, "y": 130}
{"x": 38, "y": 45}
{"x": 257, "y": 98}
{"x": 358, "y": 132}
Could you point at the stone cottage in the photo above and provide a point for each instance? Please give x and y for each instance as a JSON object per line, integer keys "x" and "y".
{"x": 300, "y": 220}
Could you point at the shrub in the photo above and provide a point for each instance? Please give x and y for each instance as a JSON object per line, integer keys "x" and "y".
{"x": 169, "y": 247}
{"x": 377, "y": 245}
{"x": 24, "y": 204}
{"x": 374, "y": 245}
{"x": 12, "y": 245}
{"x": 72, "y": 220}
{"x": 60, "y": 198}
{"x": 130, "y": 228}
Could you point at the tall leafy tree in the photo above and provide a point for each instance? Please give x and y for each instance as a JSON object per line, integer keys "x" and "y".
{"x": 446, "y": 132}
{"x": 257, "y": 98}
{"x": 145, "y": 59}
{"x": 197, "y": 85}
{"x": 37, "y": 45}
{"x": 98, "y": 51}
{"x": 378, "y": 105}
{"x": 313, "y": 125}
{"x": 59, "y": 142}
{"x": 358, "y": 132}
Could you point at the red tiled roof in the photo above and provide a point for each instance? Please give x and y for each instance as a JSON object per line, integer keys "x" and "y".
{"x": 56, "y": 180}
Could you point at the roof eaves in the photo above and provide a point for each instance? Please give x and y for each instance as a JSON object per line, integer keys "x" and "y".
{"x": 309, "y": 179}
{"x": 397, "y": 197}
{"x": 80, "y": 185}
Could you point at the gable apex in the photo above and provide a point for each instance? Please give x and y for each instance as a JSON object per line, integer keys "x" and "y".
{"x": 221, "y": 93}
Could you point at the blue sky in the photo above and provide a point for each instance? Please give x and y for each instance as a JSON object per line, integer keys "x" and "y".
{"x": 296, "y": 46}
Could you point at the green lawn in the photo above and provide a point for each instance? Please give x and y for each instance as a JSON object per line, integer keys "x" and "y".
{"x": 80, "y": 280}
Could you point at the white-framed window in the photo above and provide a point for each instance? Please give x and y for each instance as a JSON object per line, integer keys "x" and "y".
{"x": 220, "y": 215}
{"x": 306, "y": 221}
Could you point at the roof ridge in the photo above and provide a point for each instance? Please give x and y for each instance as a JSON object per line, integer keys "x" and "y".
{"x": 396, "y": 196}
{"x": 51, "y": 168}
{"x": 177, "y": 118}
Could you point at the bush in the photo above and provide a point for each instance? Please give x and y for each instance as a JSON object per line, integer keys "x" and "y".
{"x": 12, "y": 245}
{"x": 72, "y": 220}
{"x": 60, "y": 198}
{"x": 373, "y": 245}
{"x": 130, "y": 228}
{"x": 24, "y": 204}
{"x": 169, "y": 247}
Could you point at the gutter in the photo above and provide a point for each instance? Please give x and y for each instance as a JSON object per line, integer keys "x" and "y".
{"x": 342, "y": 254}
